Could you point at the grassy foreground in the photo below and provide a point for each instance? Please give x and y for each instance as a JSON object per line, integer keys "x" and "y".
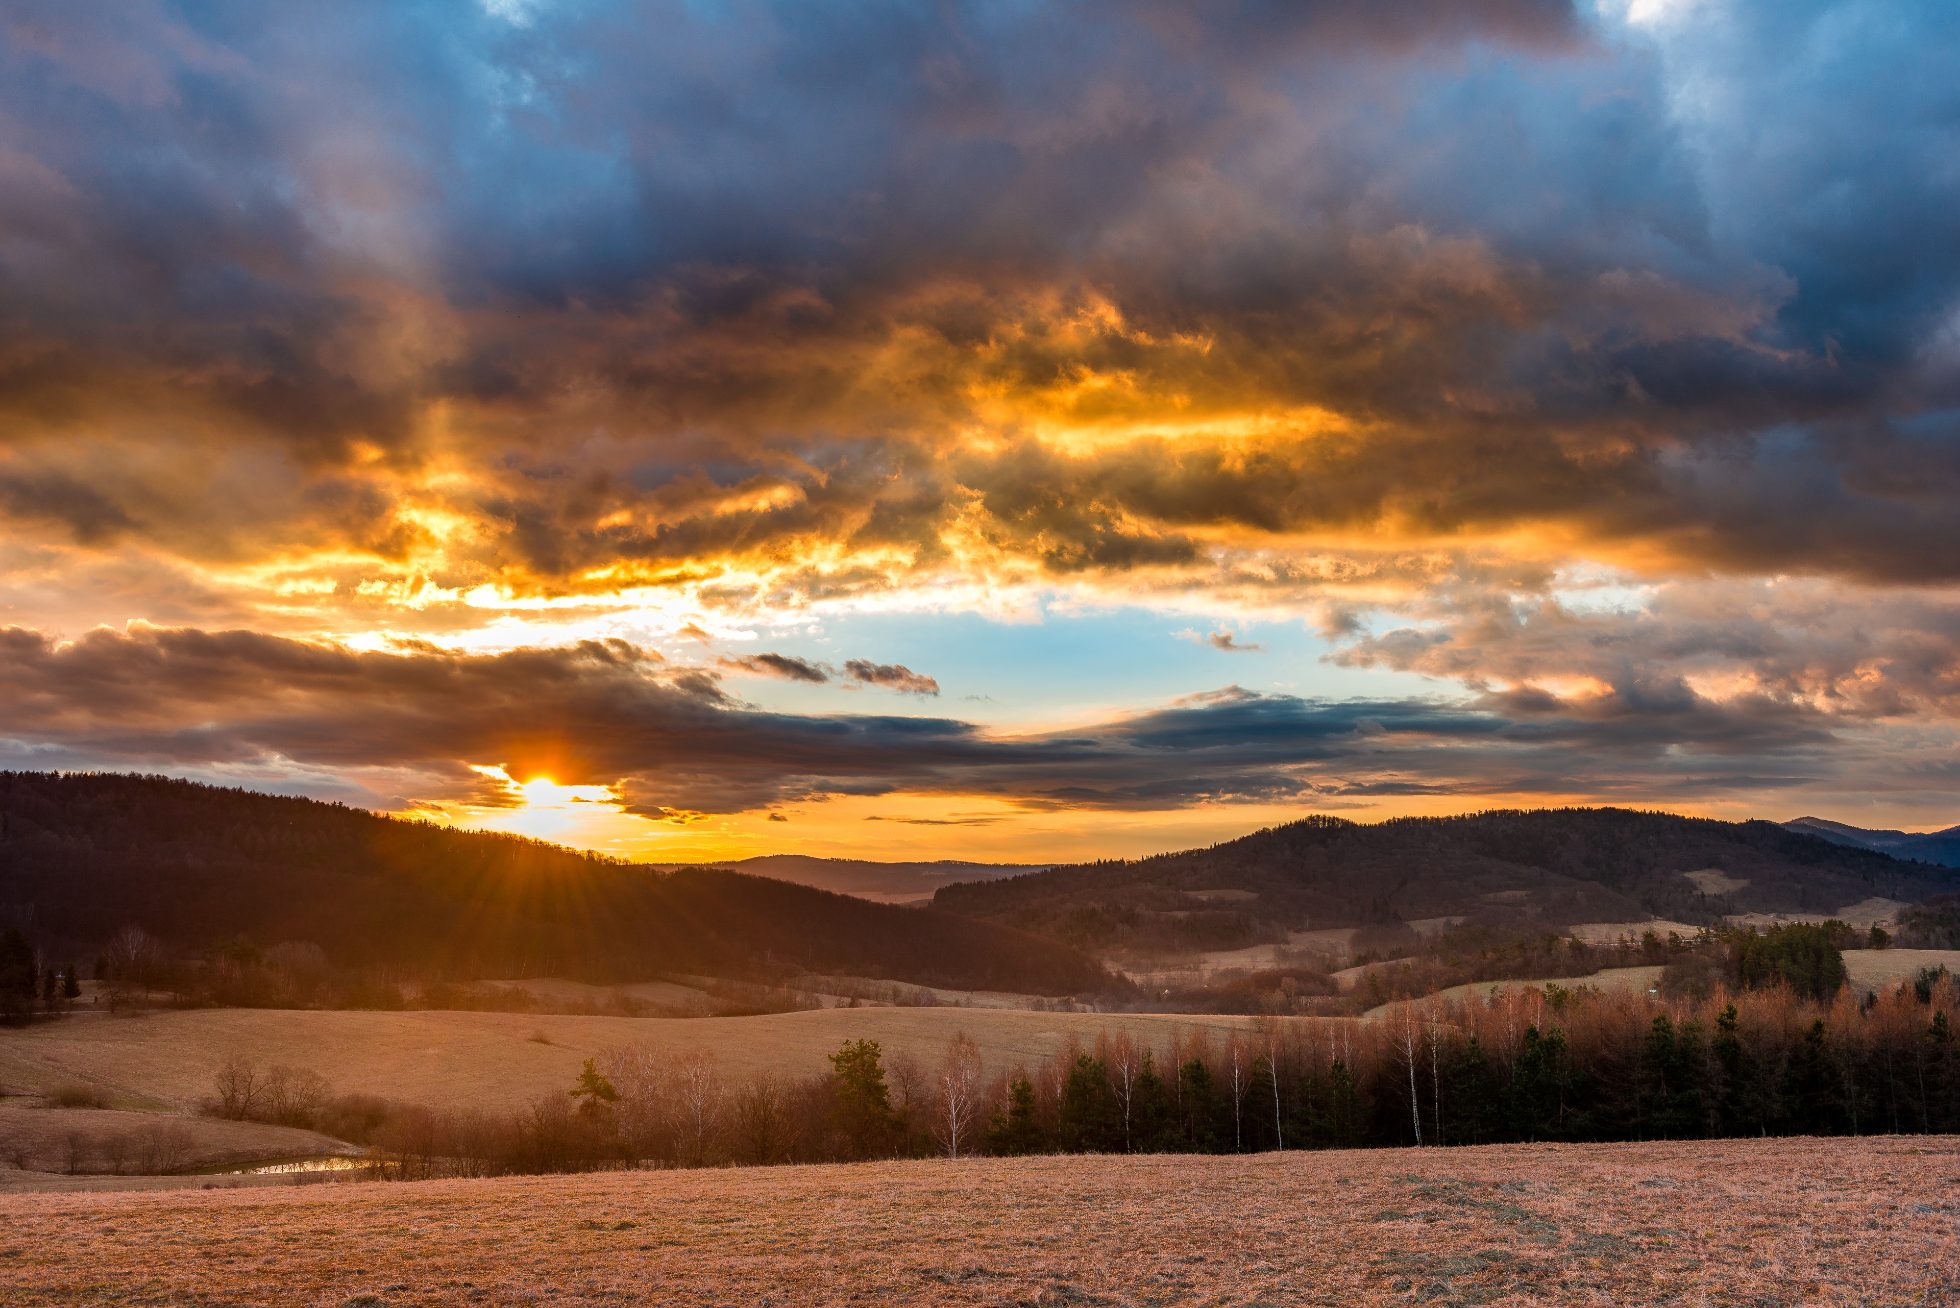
{"x": 1797, "y": 1221}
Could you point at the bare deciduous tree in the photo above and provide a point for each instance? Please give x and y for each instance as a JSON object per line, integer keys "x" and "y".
{"x": 1238, "y": 1083}
{"x": 959, "y": 1094}
{"x": 697, "y": 1085}
{"x": 1125, "y": 1063}
{"x": 761, "y": 1120}
{"x": 1269, "y": 1029}
{"x": 1407, "y": 1033}
{"x": 644, "y": 1108}
{"x": 239, "y": 1084}
{"x": 1435, "y": 1033}
{"x": 133, "y": 959}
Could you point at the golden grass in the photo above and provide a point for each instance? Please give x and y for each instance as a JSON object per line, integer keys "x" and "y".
{"x": 1873, "y": 969}
{"x": 1864, "y": 969}
{"x": 493, "y": 1060}
{"x": 1826, "y": 1222}
{"x": 1610, "y": 979}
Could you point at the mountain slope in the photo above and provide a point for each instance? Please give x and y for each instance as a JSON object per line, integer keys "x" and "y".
{"x": 1942, "y": 847}
{"x": 1549, "y": 867}
{"x": 84, "y": 855}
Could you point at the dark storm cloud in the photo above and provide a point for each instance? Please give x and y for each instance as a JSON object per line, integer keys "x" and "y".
{"x": 625, "y": 265}
{"x": 412, "y": 725}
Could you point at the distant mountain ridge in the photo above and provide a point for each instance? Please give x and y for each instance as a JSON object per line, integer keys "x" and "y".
{"x": 888, "y": 882}
{"x": 83, "y": 855}
{"x": 1550, "y": 867}
{"x": 1942, "y": 847}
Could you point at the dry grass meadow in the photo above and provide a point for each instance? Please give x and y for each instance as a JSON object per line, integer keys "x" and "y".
{"x": 1865, "y": 969}
{"x": 1761, "y": 1222}
{"x": 165, "y": 1060}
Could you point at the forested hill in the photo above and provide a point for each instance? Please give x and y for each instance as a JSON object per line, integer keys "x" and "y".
{"x": 1555, "y": 867}
{"x": 82, "y": 856}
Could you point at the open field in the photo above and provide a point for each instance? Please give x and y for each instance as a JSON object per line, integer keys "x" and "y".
{"x": 1863, "y": 915}
{"x": 1606, "y": 933}
{"x": 1738, "y": 1222}
{"x": 1872, "y": 969}
{"x": 841, "y": 991}
{"x": 1864, "y": 969}
{"x": 1608, "y": 979}
{"x": 664, "y": 997}
{"x": 497, "y": 1060}
{"x": 1320, "y": 948}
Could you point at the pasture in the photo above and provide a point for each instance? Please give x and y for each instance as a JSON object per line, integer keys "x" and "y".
{"x": 166, "y": 1059}
{"x": 1841, "y": 1221}
{"x": 1864, "y": 970}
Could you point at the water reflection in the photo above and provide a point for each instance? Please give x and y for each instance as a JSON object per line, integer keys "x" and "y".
{"x": 295, "y": 1166}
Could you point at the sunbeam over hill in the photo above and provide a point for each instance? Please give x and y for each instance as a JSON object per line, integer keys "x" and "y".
{"x": 82, "y": 857}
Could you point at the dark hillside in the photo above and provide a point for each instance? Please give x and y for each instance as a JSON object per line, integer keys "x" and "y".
{"x": 82, "y": 856}
{"x": 1550, "y": 867}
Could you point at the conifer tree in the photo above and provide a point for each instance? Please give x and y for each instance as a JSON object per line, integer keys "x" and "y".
{"x": 593, "y": 1091}
{"x": 860, "y": 1098}
{"x": 1015, "y": 1129}
{"x": 1089, "y": 1118}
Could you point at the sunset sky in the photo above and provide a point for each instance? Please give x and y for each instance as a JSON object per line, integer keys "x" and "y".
{"x": 989, "y": 430}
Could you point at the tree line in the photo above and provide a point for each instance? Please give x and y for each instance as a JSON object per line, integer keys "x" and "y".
{"x": 1520, "y": 1065}
{"x": 30, "y": 983}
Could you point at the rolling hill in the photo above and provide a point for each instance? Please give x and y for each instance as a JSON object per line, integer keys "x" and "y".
{"x": 1553, "y": 868}
{"x": 1942, "y": 847}
{"x": 83, "y": 855}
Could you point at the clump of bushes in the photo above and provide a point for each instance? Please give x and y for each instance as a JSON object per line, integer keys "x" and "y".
{"x": 75, "y": 1094}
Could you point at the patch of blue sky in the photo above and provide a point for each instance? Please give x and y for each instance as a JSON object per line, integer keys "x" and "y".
{"x": 1085, "y": 665}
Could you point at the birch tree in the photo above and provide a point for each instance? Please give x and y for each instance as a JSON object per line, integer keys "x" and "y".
{"x": 1407, "y": 1037}
{"x": 697, "y": 1087}
{"x": 1125, "y": 1063}
{"x": 959, "y": 1094}
{"x": 1237, "y": 1052}
{"x": 1270, "y": 1028}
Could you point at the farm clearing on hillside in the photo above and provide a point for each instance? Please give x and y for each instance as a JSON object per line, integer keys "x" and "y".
{"x": 1864, "y": 970}
{"x": 1809, "y": 1221}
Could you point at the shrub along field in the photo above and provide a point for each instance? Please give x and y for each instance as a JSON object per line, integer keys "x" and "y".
{"x": 1753, "y": 1221}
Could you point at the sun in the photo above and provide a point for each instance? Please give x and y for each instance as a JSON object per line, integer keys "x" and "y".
{"x": 588, "y": 816}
